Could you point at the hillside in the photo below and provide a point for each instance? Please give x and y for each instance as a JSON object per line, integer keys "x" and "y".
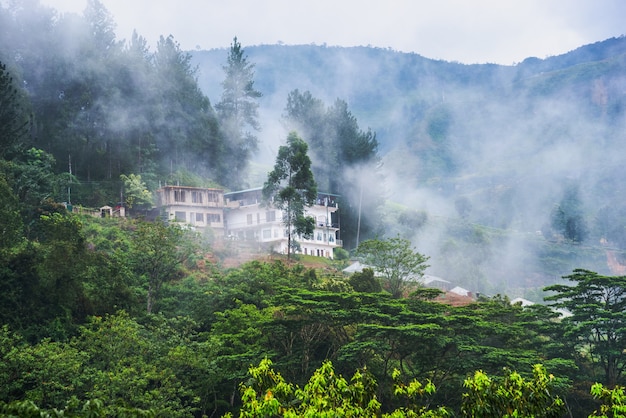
{"x": 506, "y": 176}
{"x": 498, "y": 149}
{"x": 379, "y": 83}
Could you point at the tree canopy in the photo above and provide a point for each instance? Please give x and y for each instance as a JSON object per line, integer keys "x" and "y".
{"x": 291, "y": 187}
{"x": 238, "y": 112}
{"x": 396, "y": 261}
{"x": 597, "y": 305}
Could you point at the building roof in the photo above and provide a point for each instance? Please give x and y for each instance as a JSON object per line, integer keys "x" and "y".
{"x": 258, "y": 189}
{"x": 427, "y": 279}
{"x": 356, "y": 267}
{"x": 460, "y": 291}
{"x": 172, "y": 186}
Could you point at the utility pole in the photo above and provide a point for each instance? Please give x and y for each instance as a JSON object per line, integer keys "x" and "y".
{"x": 69, "y": 184}
{"x": 358, "y": 226}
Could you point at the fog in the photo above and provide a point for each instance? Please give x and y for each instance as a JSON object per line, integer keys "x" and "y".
{"x": 515, "y": 143}
{"x": 476, "y": 162}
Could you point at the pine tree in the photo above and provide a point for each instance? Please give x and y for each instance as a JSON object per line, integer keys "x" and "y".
{"x": 14, "y": 120}
{"x": 238, "y": 111}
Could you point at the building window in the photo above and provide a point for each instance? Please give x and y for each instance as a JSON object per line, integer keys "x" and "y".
{"x": 200, "y": 217}
{"x": 196, "y": 197}
{"x": 249, "y": 218}
{"x": 213, "y": 197}
{"x": 179, "y": 195}
{"x": 180, "y": 216}
{"x": 267, "y": 233}
{"x": 213, "y": 217}
{"x": 258, "y": 218}
{"x": 319, "y": 236}
{"x": 270, "y": 216}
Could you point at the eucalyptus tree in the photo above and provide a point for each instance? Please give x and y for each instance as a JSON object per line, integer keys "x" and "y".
{"x": 291, "y": 187}
{"x": 238, "y": 111}
{"x": 344, "y": 157}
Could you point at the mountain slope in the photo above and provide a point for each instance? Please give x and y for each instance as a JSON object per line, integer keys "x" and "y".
{"x": 490, "y": 146}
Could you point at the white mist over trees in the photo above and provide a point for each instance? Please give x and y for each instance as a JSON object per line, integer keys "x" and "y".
{"x": 108, "y": 108}
{"x": 343, "y": 155}
{"x": 238, "y": 112}
{"x": 472, "y": 163}
{"x": 473, "y": 158}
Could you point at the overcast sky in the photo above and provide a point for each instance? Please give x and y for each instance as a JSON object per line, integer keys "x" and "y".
{"x": 468, "y": 31}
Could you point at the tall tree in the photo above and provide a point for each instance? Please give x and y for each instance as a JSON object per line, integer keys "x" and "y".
{"x": 291, "y": 187}
{"x": 308, "y": 116}
{"x": 344, "y": 157}
{"x": 14, "y": 115}
{"x": 238, "y": 111}
{"x": 598, "y": 307}
{"x": 101, "y": 25}
{"x": 395, "y": 260}
{"x": 185, "y": 120}
{"x": 568, "y": 216}
{"x": 155, "y": 256}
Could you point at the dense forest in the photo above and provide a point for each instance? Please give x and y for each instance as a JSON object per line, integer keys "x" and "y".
{"x": 501, "y": 179}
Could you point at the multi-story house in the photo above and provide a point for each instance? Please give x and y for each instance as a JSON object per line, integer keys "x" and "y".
{"x": 196, "y": 206}
{"x": 241, "y": 216}
{"x": 247, "y": 219}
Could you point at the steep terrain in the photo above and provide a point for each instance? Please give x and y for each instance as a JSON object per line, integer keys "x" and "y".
{"x": 526, "y": 157}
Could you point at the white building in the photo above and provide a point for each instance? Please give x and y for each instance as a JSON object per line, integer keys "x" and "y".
{"x": 247, "y": 219}
{"x": 240, "y": 216}
{"x": 196, "y": 206}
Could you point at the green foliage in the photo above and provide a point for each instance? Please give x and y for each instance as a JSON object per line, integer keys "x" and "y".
{"x": 155, "y": 256}
{"x": 397, "y": 263}
{"x": 340, "y": 254}
{"x": 613, "y": 401}
{"x": 238, "y": 114}
{"x": 597, "y": 305}
{"x": 568, "y": 216}
{"x": 14, "y": 114}
{"x": 135, "y": 192}
{"x": 135, "y": 366}
{"x": 343, "y": 155}
{"x": 365, "y": 281}
{"x": 327, "y": 394}
{"x": 291, "y": 187}
{"x": 11, "y": 233}
{"x": 30, "y": 175}
{"x": 512, "y": 396}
